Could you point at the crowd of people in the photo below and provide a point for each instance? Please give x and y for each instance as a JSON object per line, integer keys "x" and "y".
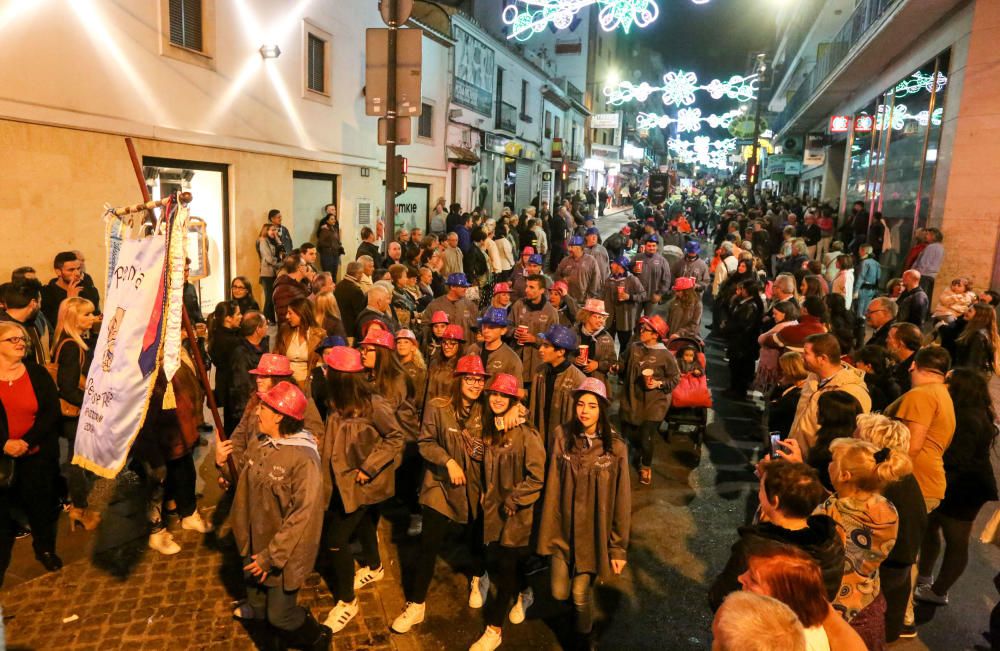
{"x": 501, "y": 378}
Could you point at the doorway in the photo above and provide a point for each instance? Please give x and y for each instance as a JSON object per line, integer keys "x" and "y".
{"x": 312, "y": 192}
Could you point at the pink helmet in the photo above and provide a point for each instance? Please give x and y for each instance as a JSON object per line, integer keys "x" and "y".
{"x": 272, "y": 364}
{"x": 595, "y": 386}
{"x": 595, "y": 305}
{"x": 405, "y": 333}
{"x": 470, "y": 365}
{"x": 439, "y": 317}
{"x": 342, "y": 358}
{"x": 506, "y": 384}
{"x": 501, "y": 288}
{"x": 381, "y": 338}
{"x": 682, "y": 283}
{"x": 561, "y": 287}
{"x": 286, "y": 399}
{"x": 454, "y": 332}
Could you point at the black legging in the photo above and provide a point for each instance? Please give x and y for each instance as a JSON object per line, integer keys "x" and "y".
{"x": 623, "y": 338}
{"x": 179, "y": 485}
{"x": 956, "y": 550}
{"x": 895, "y": 584}
{"x": 646, "y": 433}
{"x": 435, "y": 527}
{"x": 502, "y": 563}
{"x": 35, "y": 492}
{"x": 340, "y": 527}
{"x": 409, "y": 476}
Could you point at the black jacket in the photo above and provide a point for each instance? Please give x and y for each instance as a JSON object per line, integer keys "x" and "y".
{"x": 242, "y": 384}
{"x": 53, "y": 295}
{"x": 820, "y": 540}
{"x": 913, "y": 306}
{"x": 880, "y": 336}
{"x": 905, "y": 495}
{"x": 976, "y": 352}
{"x": 351, "y": 301}
{"x": 367, "y": 248}
{"x": 44, "y": 434}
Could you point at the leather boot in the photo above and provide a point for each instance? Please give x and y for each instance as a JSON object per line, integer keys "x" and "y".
{"x": 311, "y": 635}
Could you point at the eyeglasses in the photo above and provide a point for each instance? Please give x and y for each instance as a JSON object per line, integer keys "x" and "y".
{"x": 239, "y": 287}
{"x": 15, "y": 340}
{"x": 474, "y": 380}
{"x": 449, "y": 342}
{"x": 367, "y": 349}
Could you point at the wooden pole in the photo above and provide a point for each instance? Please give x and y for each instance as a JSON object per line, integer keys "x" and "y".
{"x": 183, "y": 197}
{"x": 199, "y": 364}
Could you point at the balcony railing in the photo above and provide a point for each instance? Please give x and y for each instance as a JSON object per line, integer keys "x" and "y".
{"x": 830, "y": 55}
{"x": 507, "y": 117}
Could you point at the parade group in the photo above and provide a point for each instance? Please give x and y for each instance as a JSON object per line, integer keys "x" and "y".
{"x": 499, "y": 380}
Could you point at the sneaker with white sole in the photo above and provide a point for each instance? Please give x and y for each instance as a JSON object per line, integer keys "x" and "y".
{"x": 341, "y": 615}
{"x": 163, "y": 542}
{"x": 365, "y": 576}
{"x": 478, "y": 590}
{"x": 521, "y": 606}
{"x": 924, "y": 593}
{"x": 416, "y": 525}
{"x": 490, "y": 640}
{"x": 412, "y": 615}
{"x": 195, "y": 522}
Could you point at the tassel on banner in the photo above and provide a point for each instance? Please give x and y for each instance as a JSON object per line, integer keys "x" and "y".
{"x": 169, "y": 399}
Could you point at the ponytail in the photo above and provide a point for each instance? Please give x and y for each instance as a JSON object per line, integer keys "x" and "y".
{"x": 871, "y": 468}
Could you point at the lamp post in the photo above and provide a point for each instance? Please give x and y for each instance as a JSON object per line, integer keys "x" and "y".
{"x": 753, "y": 165}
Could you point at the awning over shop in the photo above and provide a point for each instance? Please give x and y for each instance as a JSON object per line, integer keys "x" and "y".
{"x": 462, "y": 156}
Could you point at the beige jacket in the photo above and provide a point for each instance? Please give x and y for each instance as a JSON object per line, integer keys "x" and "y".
{"x": 806, "y": 423}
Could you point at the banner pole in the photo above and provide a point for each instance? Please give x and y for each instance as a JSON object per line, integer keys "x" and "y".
{"x": 192, "y": 338}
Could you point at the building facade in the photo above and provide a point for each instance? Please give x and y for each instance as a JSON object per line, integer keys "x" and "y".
{"x": 893, "y": 103}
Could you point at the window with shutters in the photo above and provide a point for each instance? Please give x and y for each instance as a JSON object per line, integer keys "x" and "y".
{"x": 425, "y": 123}
{"x": 317, "y": 57}
{"x": 185, "y": 24}
{"x": 316, "y": 72}
{"x": 188, "y": 31}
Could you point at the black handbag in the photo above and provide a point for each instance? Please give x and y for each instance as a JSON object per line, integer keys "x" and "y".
{"x": 6, "y": 471}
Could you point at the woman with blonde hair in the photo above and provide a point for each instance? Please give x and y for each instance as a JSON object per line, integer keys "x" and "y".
{"x": 328, "y": 315}
{"x": 868, "y": 524}
{"x": 72, "y": 356}
{"x": 298, "y": 338}
{"x": 784, "y": 398}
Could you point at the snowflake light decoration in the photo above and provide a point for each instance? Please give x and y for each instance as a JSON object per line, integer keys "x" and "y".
{"x": 687, "y": 120}
{"x": 919, "y": 81}
{"x": 900, "y": 114}
{"x": 536, "y": 15}
{"x": 679, "y": 88}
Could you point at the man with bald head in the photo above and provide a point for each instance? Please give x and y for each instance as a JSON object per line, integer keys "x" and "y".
{"x": 454, "y": 260}
{"x": 379, "y": 309}
{"x": 879, "y": 316}
{"x": 914, "y": 304}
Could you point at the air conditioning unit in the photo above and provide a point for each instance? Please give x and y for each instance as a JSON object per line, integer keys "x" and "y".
{"x": 364, "y": 212}
{"x": 791, "y": 145}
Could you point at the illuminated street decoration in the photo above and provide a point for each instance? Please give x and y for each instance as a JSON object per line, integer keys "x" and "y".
{"x": 703, "y": 151}
{"x": 917, "y": 82}
{"x": 687, "y": 120}
{"x": 679, "y": 88}
{"x": 900, "y": 114}
{"x": 536, "y": 15}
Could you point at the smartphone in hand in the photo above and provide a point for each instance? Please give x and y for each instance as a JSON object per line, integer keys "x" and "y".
{"x": 776, "y": 445}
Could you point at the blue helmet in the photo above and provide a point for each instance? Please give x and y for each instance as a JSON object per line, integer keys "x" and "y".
{"x": 458, "y": 280}
{"x": 494, "y": 316}
{"x": 560, "y": 337}
{"x": 537, "y": 258}
{"x": 576, "y": 240}
{"x": 623, "y": 262}
{"x": 692, "y": 248}
{"x": 653, "y": 237}
{"x": 593, "y": 231}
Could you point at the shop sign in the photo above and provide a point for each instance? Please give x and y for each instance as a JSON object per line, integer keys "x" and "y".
{"x": 546, "y": 189}
{"x": 411, "y": 207}
{"x": 814, "y": 152}
{"x": 605, "y": 152}
{"x": 864, "y": 123}
{"x": 593, "y": 164}
{"x": 793, "y": 168}
{"x": 606, "y": 121}
{"x": 840, "y": 123}
{"x": 632, "y": 153}
{"x": 474, "y": 73}
{"x": 496, "y": 144}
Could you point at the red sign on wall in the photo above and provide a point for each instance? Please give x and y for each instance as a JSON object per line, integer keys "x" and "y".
{"x": 864, "y": 123}
{"x": 840, "y": 123}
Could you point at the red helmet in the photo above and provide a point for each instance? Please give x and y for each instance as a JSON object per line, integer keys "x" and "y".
{"x": 470, "y": 365}
{"x": 506, "y": 384}
{"x": 342, "y": 358}
{"x": 381, "y": 338}
{"x": 286, "y": 399}
{"x": 454, "y": 332}
{"x": 560, "y": 286}
{"x": 657, "y": 323}
{"x": 683, "y": 282}
{"x": 272, "y": 364}
{"x": 501, "y": 288}
{"x": 439, "y": 317}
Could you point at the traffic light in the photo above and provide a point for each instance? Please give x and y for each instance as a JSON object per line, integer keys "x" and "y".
{"x": 752, "y": 167}
{"x": 400, "y": 167}
{"x": 565, "y": 170}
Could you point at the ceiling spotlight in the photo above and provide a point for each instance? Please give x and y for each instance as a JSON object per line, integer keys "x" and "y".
{"x": 269, "y": 51}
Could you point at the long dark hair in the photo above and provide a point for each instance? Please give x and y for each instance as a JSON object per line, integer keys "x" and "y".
{"x": 491, "y": 435}
{"x": 325, "y": 219}
{"x": 389, "y": 374}
{"x": 574, "y": 428}
{"x": 302, "y": 307}
{"x": 217, "y": 320}
{"x": 836, "y": 413}
{"x": 973, "y": 405}
{"x": 350, "y": 394}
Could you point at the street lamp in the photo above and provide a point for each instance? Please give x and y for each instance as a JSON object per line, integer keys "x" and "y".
{"x": 753, "y": 168}
{"x": 269, "y": 51}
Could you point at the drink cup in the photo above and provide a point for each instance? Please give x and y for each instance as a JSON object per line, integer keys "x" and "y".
{"x": 638, "y": 266}
{"x": 584, "y": 354}
{"x": 647, "y": 375}
{"x": 522, "y": 332}
{"x": 621, "y": 292}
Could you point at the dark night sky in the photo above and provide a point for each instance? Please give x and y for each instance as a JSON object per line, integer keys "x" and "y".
{"x": 713, "y": 39}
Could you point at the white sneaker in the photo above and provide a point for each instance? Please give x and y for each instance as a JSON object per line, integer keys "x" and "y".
{"x": 366, "y": 576}
{"x": 163, "y": 542}
{"x": 924, "y": 593}
{"x": 341, "y": 615}
{"x": 416, "y": 525}
{"x": 195, "y": 522}
{"x": 478, "y": 590}
{"x": 412, "y": 615}
{"x": 521, "y": 606}
{"x": 490, "y": 640}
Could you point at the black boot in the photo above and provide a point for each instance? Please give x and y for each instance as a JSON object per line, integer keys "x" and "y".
{"x": 311, "y": 635}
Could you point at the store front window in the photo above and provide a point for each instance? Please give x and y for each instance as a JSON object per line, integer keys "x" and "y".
{"x": 208, "y": 244}
{"x": 894, "y": 154}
